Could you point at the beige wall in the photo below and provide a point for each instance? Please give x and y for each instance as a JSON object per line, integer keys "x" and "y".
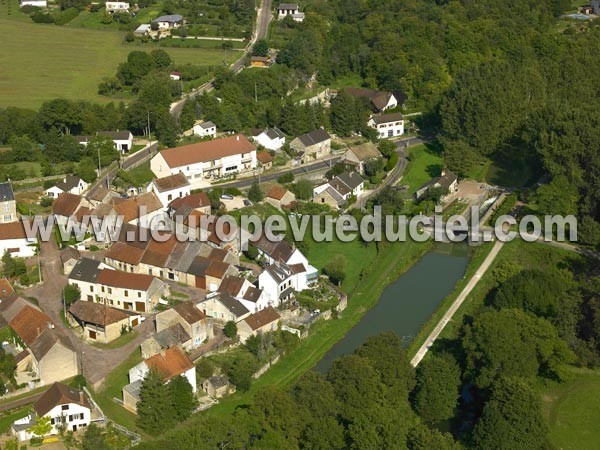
{"x": 58, "y": 364}
{"x": 8, "y": 209}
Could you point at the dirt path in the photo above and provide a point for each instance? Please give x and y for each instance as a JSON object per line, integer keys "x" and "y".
{"x": 456, "y": 304}
{"x": 96, "y": 362}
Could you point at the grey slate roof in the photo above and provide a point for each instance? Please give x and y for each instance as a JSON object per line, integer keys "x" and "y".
{"x": 234, "y": 306}
{"x": 85, "y": 270}
{"x": 288, "y": 6}
{"x": 218, "y": 381}
{"x": 68, "y": 183}
{"x": 350, "y": 179}
{"x": 172, "y": 18}
{"x": 387, "y": 118}
{"x": 208, "y": 124}
{"x": 121, "y": 135}
{"x": 279, "y": 272}
{"x": 314, "y": 137}
{"x": 134, "y": 389}
{"x": 274, "y": 133}
{"x": 6, "y": 192}
{"x": 174, "y": 335}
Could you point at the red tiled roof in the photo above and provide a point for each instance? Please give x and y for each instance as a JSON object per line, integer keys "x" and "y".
{"x": 126, "y": 253}
{"x": 207, "y": 151}
{"x": 277, "y": 192}
{"x": 171, "y": 182}
{"x": 189, "y": 312}
{"x": 29, "y": 323}
{"x": 96, "y": 313}
{"x": 217, "y": 269}
{"x": 197, "y": 200}
{"x": 130, "y": 209}
{"x": 158, "y": 252}
{"x": 264, "y": 157}
{"x": 66, "y": 204}
{"x": 12, "y": 230}
{"x": 170, "y": 363}
{"x": 126, "y": 280}
{"x": 262, "y": 318}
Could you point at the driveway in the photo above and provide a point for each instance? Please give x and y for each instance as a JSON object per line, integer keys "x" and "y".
{"x": 96, "y": 362}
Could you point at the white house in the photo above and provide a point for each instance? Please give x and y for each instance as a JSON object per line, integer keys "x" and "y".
{"x": 142, "y": 30}
{"x": 289, "y": 9}
{"x": 270, "y": 138}
{"x": 338, "y": 190}
{"x": 388, "y": 125}
{"x": 14, "y": 239}
{"x": 169, "y": 363}
{"x": 280, "y": 281}
{"x": 245, "y": 292}
{"x": 123, "y": 139}
{"x": 38, "y": 3}
{"x": 208, "y": 160}
{"x": 68, "y": 409}
{"x": 117, "y": 7}
{"x": 379, "y": 100}
{"x": 204, "y": 129}
{"x": 71, "y": 184}
{"x": 175, "y": 76}
{"x": 168, "y": 22}
{"x": 169, "y": 188}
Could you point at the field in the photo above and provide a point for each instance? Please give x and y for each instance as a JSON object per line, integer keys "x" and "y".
{"x": 425, "y": 162}
{"x": 41, "y": 62}
{"x": 573, "y": 411}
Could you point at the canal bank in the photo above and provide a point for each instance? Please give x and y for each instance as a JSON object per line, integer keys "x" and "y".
{"x": 408, "y": 302}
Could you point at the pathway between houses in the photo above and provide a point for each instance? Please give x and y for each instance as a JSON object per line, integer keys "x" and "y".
{"x": 96, "y": 362}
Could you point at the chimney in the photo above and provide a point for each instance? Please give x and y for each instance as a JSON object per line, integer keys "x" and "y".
{"x": 443, "y": 171}
{"x": 237, "y": 138}
{"x": 81, "y": 399}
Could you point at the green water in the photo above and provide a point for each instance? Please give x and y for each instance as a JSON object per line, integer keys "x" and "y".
{"x": 407, "y": 303}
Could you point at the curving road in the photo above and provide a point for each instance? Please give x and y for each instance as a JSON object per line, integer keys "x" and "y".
{"x": 263, "y": 18}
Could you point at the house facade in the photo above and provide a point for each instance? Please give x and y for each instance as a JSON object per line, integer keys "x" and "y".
{"x": 101, "y": 323}
{"x": 168, "y": 22}
{"x": 71, "y": 184}
{"x": 289, "y": 9}
{"x": 264, "y": 321}
{"x": 8, "y": 204}
{"x": 205, "y": 129}
{"x": 170, "y": 188}
{"x": 207, "y": 161}
{"x": 388, "y": 125}
{"x": 339, "y": 189}
{"x": 191, "y": 319}
{"x": 13, "y": 239}
{"x": 359, "y": 155}
{"x": 68, "y": 409}
{"x": 117, "y": 7}
{"x": 279, "y": 197}
{"x": 313, "y": 145}
{"x": 223, "y": 307}
{"x": 270, "y": 138}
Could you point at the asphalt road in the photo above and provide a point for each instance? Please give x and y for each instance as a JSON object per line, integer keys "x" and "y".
{"x": 263, "y": 18}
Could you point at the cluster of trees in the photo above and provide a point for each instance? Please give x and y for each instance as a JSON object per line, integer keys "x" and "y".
{"x": 163, "y": 405}
{"x": 363, "y": 401}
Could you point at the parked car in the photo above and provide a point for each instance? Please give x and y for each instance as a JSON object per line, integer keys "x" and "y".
{"x": 226, "y": 197}
{"x": 247, "y": 202}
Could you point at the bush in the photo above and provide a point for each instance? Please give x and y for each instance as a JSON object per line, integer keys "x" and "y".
{"x": 46, "y": 201}
{"x": 230, "y": 329}
{"x": 391, "y": 163}
{"x": 251, "y": 253}
{"x": 286, "y": 178}
{"x": 40, "y": 17}
{"x": 335, "y": 269}
{"x": 66, "y": 16}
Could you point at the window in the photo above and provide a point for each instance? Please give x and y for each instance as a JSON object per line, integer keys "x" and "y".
{"x": 8, "y": 217}
{"x": 110, "y": 290}
{"x": 64, "y": 407}
{"x": 126, "y": 293}
{"x": 80, "y": 416}
{"x": 70, "y": 417}
{"x": 139, "y": 295}
{"x": 169, "y": 197}
{"x": 91, "y": 288}
{"x": 7, "y": 207}
{"x": 102, "y": 288}
{"x": 52, "y": 421}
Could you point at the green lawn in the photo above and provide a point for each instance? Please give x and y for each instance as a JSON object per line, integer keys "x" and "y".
{"x": 573, "y": 411}
{"x": 6, "y": 420}
{"x": 41, "y": 62}
{"x": 425, "y": 162}
{"x": 113, "y": 388}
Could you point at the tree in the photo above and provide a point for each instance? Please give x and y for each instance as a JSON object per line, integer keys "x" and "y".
{"x": 287, "y": 177}
{"x": 42, "y": 426}
{"x": 335, "y": 269}
{"x": 558, "y": 197}
{"x": 511, "y": 342}
{"x": 161, "y": 59}
{"x": 511, "y": 419}
{"x": 71, "y": 294}
{"x": 303, "y": 189}
{"x": 387, "y": 147}
{"x": 205, "y": 369}
{"x": 438, "y": 382}
{"x": 13, "y": 267}
{"x": 104, "y": 147}
{"x": 230, "y": 329}
{"x": 182, "y": 397}
{"x": 94, "y": 439}
{"x": 261, "y": 48}
{"x": 155, "y": 408}
{"x": 255, "y": 194}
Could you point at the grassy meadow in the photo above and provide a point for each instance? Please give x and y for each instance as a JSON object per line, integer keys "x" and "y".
{"x": 40, "y": 62}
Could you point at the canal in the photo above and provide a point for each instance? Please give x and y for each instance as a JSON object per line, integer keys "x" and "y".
{"x": 407, "y": 303}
